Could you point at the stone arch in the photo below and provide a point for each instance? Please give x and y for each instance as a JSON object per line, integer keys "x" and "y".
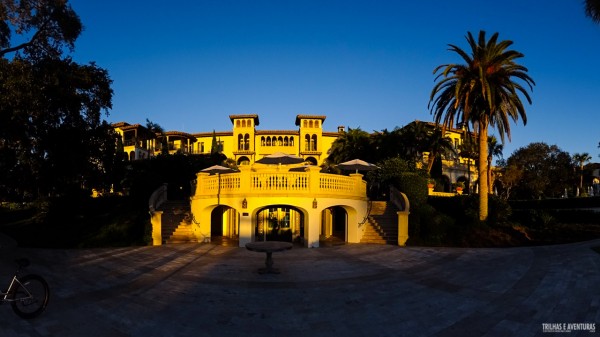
{"x": 311, "y": 160}
{"x": 279, "y": 222}
{"x": 335, "y": 221}
{"x": 240, "y": 142}
{"x": 246, "y": 142}
{"x": 243, "y": 160}
{"x": 465, "y": 181}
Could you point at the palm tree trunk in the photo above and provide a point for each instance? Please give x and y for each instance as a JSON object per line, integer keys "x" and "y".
{"x": 483, "y": 181}
{"x": 489, "y": 172}
{"x": 581, "y": 177}
{"x": 430, "y": 160}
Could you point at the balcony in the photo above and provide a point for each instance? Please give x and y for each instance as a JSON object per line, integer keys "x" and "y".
{"x": 274, "y": 181}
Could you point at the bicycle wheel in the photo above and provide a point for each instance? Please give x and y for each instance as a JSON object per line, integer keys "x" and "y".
{"x": 30, "y": 297}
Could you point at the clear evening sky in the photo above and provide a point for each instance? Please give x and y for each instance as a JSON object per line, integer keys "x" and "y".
{"x": 188, "y": 65}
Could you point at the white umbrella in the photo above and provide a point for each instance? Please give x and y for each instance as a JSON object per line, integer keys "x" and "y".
{"x": 302, "y": 168}
{"x": 280, "y": 158}
{"x": 217, "y": 169}
{"x": 357, "y": 165}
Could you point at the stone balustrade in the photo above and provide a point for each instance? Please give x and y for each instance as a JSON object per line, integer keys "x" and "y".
{"x": 279, "y": 180}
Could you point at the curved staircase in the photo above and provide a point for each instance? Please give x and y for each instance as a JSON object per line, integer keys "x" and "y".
{"x": 382, "y": 224}
{"x": 176, "y": 222}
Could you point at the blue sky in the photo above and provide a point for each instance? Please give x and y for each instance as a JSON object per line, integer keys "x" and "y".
{"x": 188, "y": 65}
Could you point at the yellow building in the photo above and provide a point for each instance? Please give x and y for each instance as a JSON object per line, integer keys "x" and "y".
{"x": 456, "y": 167}
{"x": 295, "y": 203}
{"x": 244, "y": 143}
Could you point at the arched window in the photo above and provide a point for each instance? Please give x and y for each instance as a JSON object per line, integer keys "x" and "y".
{"x": 305, "y": 123}
{"x": 310, "y": 124}
{"x": 291, "y": 141}
{"x": 247, "y": 142}
{"x": 313, "y": 143}
{"x": 307, "y": 143}
{"x": 268, "y": 141}
{"x": 262, "y": 141}
{"x": 280, "y": 141}
{"x": 240, "y": 142}
{"x": 237, "y": 123}
{"x": 244, "y": 123}
{"x": 285, "y": 141}
{"x": 243, "y": 161}
{"x": 316, "y": 124}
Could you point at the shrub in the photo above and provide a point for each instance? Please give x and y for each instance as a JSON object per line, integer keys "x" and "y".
{"x": 414, "y": 186}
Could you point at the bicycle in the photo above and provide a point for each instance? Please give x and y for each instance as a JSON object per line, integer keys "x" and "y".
{"x": 28, "y": 294}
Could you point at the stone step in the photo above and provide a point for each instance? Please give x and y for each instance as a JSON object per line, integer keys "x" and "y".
{"x": 175, "y": 227}
{"x": 382, "y": 227}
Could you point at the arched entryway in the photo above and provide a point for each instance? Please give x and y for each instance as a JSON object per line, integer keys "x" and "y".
{"x": 334, "y": 224}
{"x": 224, "y": 225}
{"x": 279, "y": 223}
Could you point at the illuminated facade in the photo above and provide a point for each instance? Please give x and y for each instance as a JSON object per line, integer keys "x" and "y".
{"x": 295, "y": 203}
{"x": 455, "y": 168}
{"x": 244, "y": 143}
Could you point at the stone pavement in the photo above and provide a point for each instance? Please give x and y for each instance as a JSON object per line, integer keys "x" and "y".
{"x": 350, "y": 290}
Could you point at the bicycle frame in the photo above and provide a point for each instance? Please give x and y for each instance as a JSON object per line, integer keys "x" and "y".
{"x": 6, "y": 295}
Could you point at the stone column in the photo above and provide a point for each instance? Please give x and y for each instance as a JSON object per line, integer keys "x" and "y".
{"x": 156, "y": 221}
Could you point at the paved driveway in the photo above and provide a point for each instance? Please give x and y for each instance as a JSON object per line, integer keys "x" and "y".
{"x": 351, "y": 290}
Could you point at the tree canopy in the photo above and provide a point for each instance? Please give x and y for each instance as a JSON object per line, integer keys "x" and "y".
{"x": 52, "y": 136}
{"x": 537, "y": 171}
{"x": 485, "y": 91}
{"x": 38, "y": 28}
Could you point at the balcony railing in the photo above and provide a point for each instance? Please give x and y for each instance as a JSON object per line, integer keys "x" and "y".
{"x": 272, "y": 182}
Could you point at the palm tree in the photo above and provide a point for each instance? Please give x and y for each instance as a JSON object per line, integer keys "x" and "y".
{"x": 158, "y": 132}
{"x": 468, "y": 150}
{"x": 581, "y": 159}
{"x": 494, "y": 150}
{"x": 412, "y": 136}
{"x": 353, "y": 144}
{"x": 592, "y": 10}
{"x": 481, "y": 93}
{"x": 437, "y": 144}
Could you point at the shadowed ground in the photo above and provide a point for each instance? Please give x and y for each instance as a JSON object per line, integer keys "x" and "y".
{"x": 350, "y": 290}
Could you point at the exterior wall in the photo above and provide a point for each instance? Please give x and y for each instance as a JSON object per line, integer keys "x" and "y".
{"x": 137, "y": 142}
{"x": 455, "y": 168}
{"x": 311, "y": 126}
{"x": 258, "y": 186}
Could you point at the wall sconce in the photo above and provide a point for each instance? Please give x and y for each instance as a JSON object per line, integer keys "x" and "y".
{"x": 244, "y": 203}
{"x": 315, "y": 203}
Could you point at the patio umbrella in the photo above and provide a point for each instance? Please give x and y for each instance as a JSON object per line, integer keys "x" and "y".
{"x": 357, "y": 165}
{"x": 217, "y": 169}
{"x": 280, "y": 158}
{"x": 302, "y": 168}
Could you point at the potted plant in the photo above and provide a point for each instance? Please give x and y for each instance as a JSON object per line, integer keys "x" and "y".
{"x": 459, "y": 186}
{"x": 430, "y": 183}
